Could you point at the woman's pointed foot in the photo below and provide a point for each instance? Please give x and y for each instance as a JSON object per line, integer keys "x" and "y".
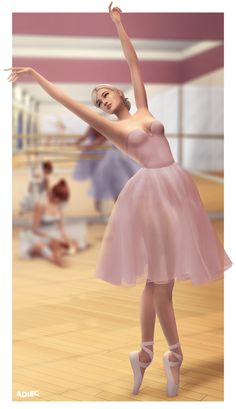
{"x": 172, "y": 362}
{"x": 139, "y": 362}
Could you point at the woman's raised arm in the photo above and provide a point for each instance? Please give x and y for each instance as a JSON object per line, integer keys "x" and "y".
{"x": 101, "y": 124}
{"x": 131, "y": 58}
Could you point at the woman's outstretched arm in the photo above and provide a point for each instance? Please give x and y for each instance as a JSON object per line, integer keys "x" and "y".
{"x": 131, "y": 58}
{"x": 101, "y": 124}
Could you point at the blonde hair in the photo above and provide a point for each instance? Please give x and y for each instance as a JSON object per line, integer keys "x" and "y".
{"x": 100, "y": 86}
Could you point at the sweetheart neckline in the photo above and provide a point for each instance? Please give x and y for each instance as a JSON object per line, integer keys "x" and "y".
{"x": 145, "y": 131}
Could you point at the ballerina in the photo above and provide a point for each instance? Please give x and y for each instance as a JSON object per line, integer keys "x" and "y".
{"x": 158, "y": 231}
{"x": 88, "y": 144}
{"x": 112, "y": 173}
{"x": 38, "y": 187}
{"x": 86, "y": 168}
{"x": 49, "y": 237}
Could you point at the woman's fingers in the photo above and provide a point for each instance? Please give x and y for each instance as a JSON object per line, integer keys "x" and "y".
{"x": 11, "y": 74}
{"x": 16, "y": 69}
{"x": 10, "y": 77}
{"x": 114, "y": 8}
{"x": 13, "y": 68}
{"x": 13, "y": 77}
{"x": 15, "y": 73}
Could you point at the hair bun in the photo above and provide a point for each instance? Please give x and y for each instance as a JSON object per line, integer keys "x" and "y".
{"x": 61, "y": 190}
{"x": 62, "y": 182}
{"x": 127, "y": 103}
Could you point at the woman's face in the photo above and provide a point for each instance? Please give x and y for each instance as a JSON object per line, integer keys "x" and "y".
{"x": 108, "y": 100}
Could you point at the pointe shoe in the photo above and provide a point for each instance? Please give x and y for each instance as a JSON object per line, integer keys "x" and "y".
{"x": 171, "y": 387}
{"x": 137, "y": 365}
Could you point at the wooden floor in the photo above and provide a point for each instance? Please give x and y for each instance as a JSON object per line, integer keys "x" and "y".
{"x": 80, "y": 203}
{"x": 72, "y": 333}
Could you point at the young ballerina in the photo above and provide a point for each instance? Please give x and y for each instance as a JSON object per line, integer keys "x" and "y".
{"x": 38, "y": 187}
{"x": 86, "y": 167}
{"x": 48, "y": 237}
{"x": 158, "y": 230}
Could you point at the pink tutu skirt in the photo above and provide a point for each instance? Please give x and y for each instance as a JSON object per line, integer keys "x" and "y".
{"x": 159, "y": 231}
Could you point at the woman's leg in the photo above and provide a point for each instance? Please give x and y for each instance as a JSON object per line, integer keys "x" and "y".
{"x": 58, "y": 252}
{"x": 162, "y": 294}
{"x": 98, "y": 205}
{"x": 147, "y": 319}
{"x": 47, "y": 252}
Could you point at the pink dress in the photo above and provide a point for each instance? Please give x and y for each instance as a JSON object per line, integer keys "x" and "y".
{"x": 158, "y": 229}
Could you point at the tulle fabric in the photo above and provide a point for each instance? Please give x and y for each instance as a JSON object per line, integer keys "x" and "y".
{"x": 114, "y": 170}
{"x": 159, "y": 231}
{"x": 85, "y": 168}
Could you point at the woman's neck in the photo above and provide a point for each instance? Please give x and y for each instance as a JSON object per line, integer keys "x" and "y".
{"x": 122, "y": 113}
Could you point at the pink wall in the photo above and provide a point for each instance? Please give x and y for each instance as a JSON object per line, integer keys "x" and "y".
{"x": 203, "y": 63}
{"x": 172, "y": 72}
{"x": 188, "y": 26}
{"x": 198, "y": 26}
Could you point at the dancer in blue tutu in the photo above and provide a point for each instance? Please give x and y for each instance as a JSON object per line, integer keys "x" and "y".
{"x": 109, "y": 169}
{"x": 114, "y": 170}
{"x": 88, "y": 144}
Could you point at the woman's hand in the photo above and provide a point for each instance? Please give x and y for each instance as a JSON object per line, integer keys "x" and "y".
{"x": 115, "y": 14}
{"x": 16, "y": 72}
{"x": 58, "y": 242}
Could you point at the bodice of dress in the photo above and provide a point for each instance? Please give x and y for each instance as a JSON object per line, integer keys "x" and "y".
{"x": 49, "y": 219}
{"x": 150, "y": 148}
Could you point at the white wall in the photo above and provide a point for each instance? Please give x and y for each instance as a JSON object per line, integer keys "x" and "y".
{"x": 203, "y": 101}
{"x": 52, "y": 115}
{"x": 203, "y": 113}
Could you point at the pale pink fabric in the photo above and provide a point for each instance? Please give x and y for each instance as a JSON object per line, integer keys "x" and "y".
{"x": 158, "y": 229}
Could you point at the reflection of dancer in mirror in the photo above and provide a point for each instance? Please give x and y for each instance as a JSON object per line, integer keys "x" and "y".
{"x": 158, "y": 230}
{"x": 85, "y": 168}
{"x": 108, "y": 174}
{"x": 49, "y": 238}
{"x": 112, "y": 173}
{"x": 47, "y": 169}
{"x": 37, "y": 188}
